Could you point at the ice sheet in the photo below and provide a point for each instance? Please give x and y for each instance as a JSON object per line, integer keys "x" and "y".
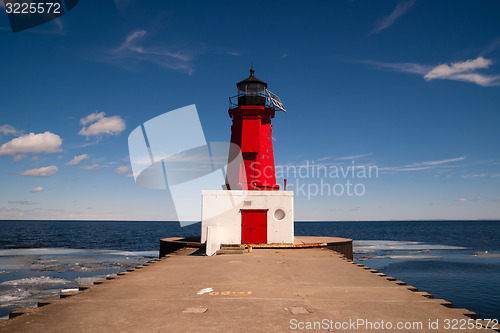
{"x": 28, "y": 276}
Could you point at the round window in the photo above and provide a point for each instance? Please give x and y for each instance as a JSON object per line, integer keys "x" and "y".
{"x": 279, "y": 214}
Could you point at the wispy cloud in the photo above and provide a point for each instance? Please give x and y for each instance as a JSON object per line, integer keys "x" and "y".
{"x": 328, "y": 164}
{"x": 20, "y": 157}
{"x": 482, "y": 175}
{"x": 122, "y": 169}
{"x": 404, "y": 67}
{"x": 433, "y": 163}
{"x": 495, "y": 45}
{"x": 423, "y": 165}
{"x": 343, "y": 158}
{"x": 9, "y": 130}
{"x": 387, "y": 21}
{"x": 136, "y": 49}
{"x": 23, "y": 202}
{"x": 77, "y": 159}
{"x": 465, "y": 71}
{"x": 476, "y": 199}
{"x": 90, "y": 167}
{"x": 353, "y": 157}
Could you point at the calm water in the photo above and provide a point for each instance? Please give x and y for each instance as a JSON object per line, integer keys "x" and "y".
{"x": 455, "y": 260}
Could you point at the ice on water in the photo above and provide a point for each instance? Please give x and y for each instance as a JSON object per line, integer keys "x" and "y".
{"x": 28, "y": 276}
{"x": 402, "y": 250}
{"x": 38, "y": 281}
{"x": 400, "y": 245}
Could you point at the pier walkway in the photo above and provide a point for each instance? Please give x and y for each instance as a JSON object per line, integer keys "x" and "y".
{"x": 267, "y": 290}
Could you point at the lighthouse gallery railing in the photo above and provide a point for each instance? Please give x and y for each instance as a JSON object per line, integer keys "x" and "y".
{"x": 272, "y": 101}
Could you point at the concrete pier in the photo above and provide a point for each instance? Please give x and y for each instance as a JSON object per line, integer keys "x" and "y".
{"x": 337, "y": 244}
{"x": 267, "y": 290}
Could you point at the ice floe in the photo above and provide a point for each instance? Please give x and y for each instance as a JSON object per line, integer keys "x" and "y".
{"x": 38, "y": 281}
{"x": 376, "y": 245}
{"x": 28, "y": 276}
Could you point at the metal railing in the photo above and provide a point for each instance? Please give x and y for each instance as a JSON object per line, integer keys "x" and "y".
{"x": 271, "y": 100}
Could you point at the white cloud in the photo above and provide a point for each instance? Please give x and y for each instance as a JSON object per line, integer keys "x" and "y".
{"x": 32, "y": 143}
{"x": 40, "y": 172}
{"x": 462, "y": 199}
{"x": 134, "y": 49}
{"x": 77, "y": 159}
{"x": 387, "y": 21}
{"x": 444, "y": 70}
{"x": 36, "y": 189}
{"x": 9, "y": 130}
{"x": 22, "y": 202}
{"x": 97, "y": 124}
{"x": 90, "y": 167}
{"x": 423, "y": 165}
{"x": 465, "y": 71}
{"x": 122, "y": 169}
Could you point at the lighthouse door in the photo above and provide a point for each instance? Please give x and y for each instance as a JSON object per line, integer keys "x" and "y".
{"x": 253, "y": 226}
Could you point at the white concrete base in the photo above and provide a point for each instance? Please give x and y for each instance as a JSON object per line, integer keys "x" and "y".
{"x": 221, "y": 209}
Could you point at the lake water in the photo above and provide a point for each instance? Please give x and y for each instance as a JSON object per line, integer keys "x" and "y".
{"x": 455, "y": 260}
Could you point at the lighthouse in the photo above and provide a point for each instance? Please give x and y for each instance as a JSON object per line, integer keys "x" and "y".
{"x": 251, "y": 134}
{"x": 250, "y": 208}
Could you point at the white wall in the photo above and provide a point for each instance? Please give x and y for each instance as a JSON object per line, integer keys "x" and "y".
{"x": 221, "y": 208}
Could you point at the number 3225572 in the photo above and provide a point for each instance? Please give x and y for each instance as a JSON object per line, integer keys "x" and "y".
{"x": 33, "y": 8}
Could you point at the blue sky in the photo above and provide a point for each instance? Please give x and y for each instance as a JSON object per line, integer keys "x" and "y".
{"x": 409, "y": 87}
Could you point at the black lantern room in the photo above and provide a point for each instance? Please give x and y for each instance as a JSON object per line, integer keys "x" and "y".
{"x": 251, "y": 91}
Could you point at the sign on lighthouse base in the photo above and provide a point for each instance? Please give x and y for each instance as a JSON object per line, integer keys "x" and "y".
{"x": 246, "y": 217}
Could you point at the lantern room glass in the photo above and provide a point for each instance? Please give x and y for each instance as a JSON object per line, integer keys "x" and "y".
{"x": 251, "y": 88}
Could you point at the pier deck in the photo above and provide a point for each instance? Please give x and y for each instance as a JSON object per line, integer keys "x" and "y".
{"x": 268, "y": 290}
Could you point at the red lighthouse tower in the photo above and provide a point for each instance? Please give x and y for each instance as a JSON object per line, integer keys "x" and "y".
{"x": 252, "y": 110}
{"x": 249, "y": 209}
